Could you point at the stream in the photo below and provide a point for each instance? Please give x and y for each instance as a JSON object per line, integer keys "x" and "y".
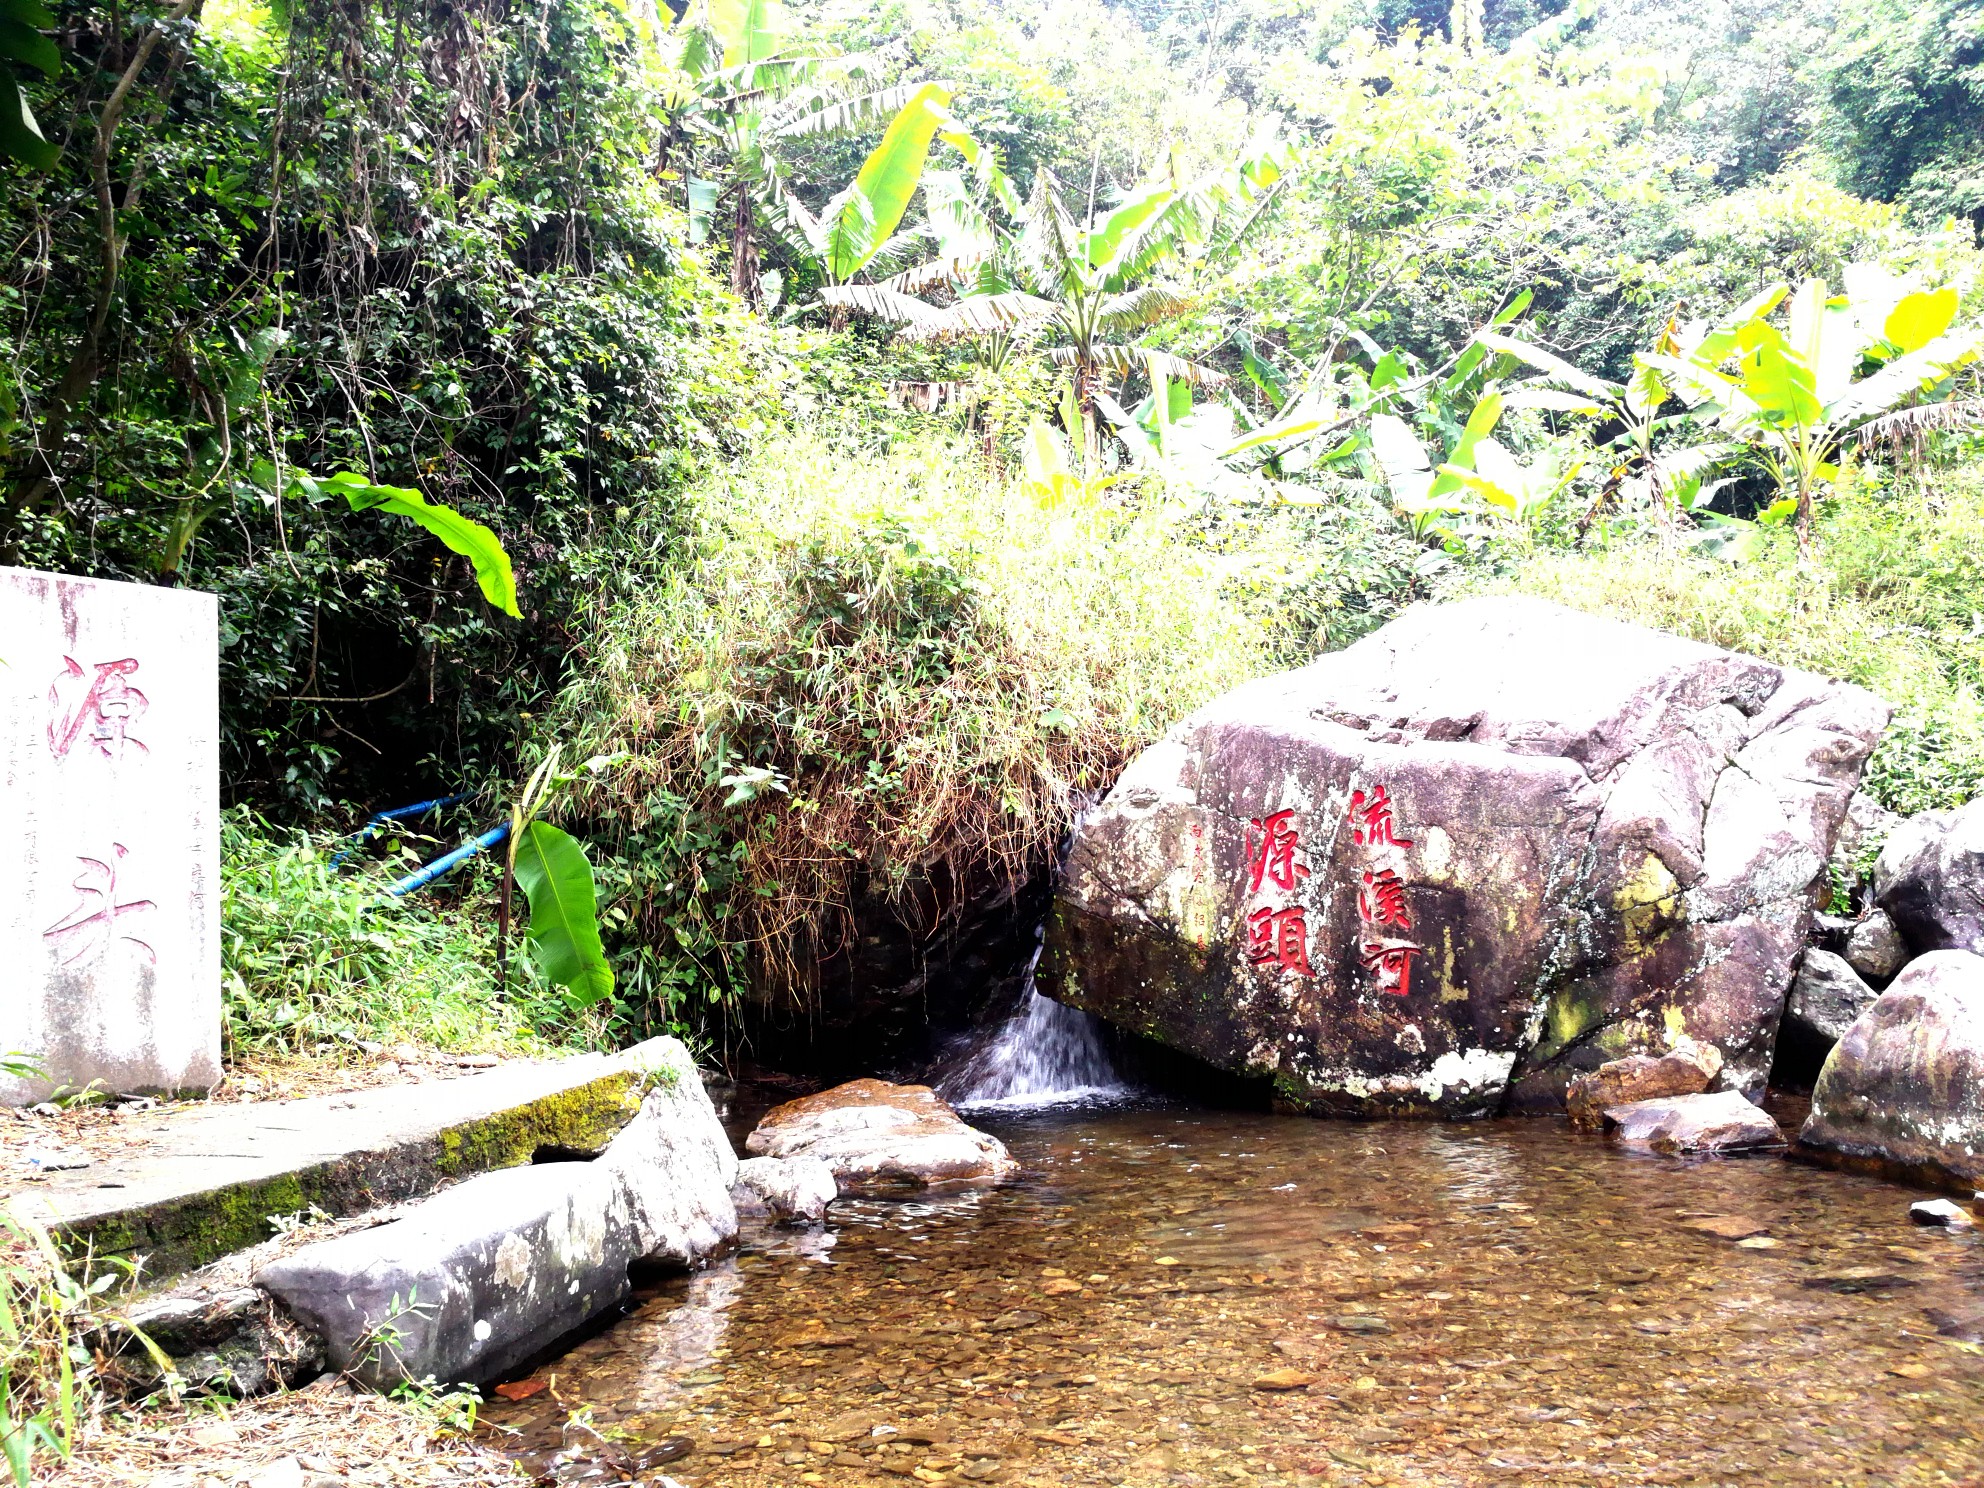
{"x": 1498, "y": 1302}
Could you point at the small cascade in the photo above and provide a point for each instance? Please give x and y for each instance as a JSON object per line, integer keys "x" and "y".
{"x": 1044, "y": 1054}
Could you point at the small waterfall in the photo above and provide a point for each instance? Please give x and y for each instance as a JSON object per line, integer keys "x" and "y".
{"x": 1044, "y": 1054}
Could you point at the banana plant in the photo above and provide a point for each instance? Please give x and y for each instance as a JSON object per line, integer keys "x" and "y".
{"x": 1429, "y": 498}
{"x": 751, "y": 92}
{"x": 1796, "y": 395}
{"x": 1091, "y": 285}
{"x": 552, "y": 869}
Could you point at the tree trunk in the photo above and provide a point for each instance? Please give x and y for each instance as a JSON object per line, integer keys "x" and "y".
{"x": 744, "y": 252}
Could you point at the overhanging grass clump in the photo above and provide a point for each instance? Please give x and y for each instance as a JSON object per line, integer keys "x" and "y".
{"x": 1892, "y": 601}
{"x": 884, "y": 678}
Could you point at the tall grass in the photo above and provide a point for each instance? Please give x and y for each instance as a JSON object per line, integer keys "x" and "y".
{"x": 1893, "y": 601}
{"x": 312, "y": 956}
{"x": 890, "y": 677}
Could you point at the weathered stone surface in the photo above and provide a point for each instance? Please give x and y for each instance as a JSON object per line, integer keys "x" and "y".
{"x": 1721, "y": 1121}
{"x": 1686, "y": 1069}
{"x": 230, "y": 1341}
{"x": 109, "y": 903}
{"x": 874, "y": 1134}
{"x": 1599, "y": 838}
{"x": 1874, "y": 947}
{"x": 789, "y": 1189}
{"x": 1904, "y": 1089}
{"x": 482, "y": 1275}
{"x": 205, "y": 1180}
{"x": 1930, "y": 879}
{"x": 1942, "y": 1212}
{"x": 1826, "y": 997}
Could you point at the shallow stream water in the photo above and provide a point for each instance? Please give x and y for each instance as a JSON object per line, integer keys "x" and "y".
{"x": 1504, "y": 1302}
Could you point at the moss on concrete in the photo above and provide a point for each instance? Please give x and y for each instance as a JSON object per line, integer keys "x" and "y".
{"x": 184, "y": 1233}
{"x": 583, "y": 1119}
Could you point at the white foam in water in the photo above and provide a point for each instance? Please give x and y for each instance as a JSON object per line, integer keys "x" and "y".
{"x": 1045, "y": 1054}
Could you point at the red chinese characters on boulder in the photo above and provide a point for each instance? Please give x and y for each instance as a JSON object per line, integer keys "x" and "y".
{"x": 1280, "y": 937}
{"x": 1371, "y": 819}
{"x": 1277, "y": 937}
{"x": 1381, "y": 901}
{"x": 1272, "y": 860}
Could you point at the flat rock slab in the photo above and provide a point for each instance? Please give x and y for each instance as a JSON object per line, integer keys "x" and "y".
{"x": 872, "y": 1134}
{"x": 1721, "y": 1122}
{"x": 1686, "y": 1070}
{"x": 474, "y": 1280}
{"x": 210, "y": 1177}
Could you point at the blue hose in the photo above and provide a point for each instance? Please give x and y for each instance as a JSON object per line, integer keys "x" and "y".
{"x": 379, "y": 819}
{"x": 420, "y": 878}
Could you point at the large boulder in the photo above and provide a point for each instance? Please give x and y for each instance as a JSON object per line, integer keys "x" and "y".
{"x": 1491, "y": 846}
{"x": 1903, "y": 1091}
{"x": 481, "y": 1276}
{"x": 874, "y": 1135}
{"x": 1930, "y": 879}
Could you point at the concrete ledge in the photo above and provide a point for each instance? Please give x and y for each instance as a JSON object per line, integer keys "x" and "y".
{"x": 210, "y": 1181}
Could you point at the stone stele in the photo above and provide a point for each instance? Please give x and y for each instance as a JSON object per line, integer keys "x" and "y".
{"x": 110, "y": 888}
{"x": 1493, "y": 845}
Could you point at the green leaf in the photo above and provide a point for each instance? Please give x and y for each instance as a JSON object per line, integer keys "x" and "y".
{"x": 20, "y": 136}
{"x": 564, "y": 913}
{"x": 1921, "y": 317}
{"x": 702, "y": 207}
{"x": 463, "y": 535}
{"x": 1552, "y": 366}
{"x": 873, "y": 204}
{"x": 1782, "y": 387}
{"x": 20, "y": 42}
{"x": 751, "y": 30}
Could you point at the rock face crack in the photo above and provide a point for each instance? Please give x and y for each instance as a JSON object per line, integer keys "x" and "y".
{"x": 1500, "y": 843}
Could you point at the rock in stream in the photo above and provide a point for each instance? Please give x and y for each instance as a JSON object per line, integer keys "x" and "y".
{"x": 1494, "y": 845}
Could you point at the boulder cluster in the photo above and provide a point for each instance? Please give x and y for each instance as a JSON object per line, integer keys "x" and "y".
{"x": 1504, "y": 857}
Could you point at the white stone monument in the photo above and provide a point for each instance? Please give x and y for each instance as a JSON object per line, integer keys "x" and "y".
{"x": 110, "y": 874}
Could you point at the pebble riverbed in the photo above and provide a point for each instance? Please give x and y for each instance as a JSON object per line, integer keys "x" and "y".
{"x": 1190, "y": 1297}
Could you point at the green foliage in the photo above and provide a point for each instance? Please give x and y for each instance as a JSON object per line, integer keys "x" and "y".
{"x": 1903, "y": 103}
{"x": 314, "y": 957}
{"x": 886, "y": 678}
{"x": 23, "y": 45}
{"x": 564, "y": 914}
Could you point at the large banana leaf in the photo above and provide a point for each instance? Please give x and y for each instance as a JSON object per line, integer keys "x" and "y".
{"x": 862, "y": 217}
{"x": 564, "y": 913}
{"x": 751, "y": 30}
{"x": 463, "y": 535}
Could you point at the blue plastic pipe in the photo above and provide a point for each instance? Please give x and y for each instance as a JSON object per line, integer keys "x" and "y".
{"x": 420, "y": 878}
{"x": 379, "y": 819}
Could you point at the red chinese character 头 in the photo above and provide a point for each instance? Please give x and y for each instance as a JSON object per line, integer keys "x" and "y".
{"x": 83, "y": 933}
{"x": 1392, "y": 962}
{"x": 1279, "y": 937}
{"x": 1371, "y": 819}
{"x": 1381, "y": 901}
{"x": 1272, "y": 859}
{"x": 106, "y": 711}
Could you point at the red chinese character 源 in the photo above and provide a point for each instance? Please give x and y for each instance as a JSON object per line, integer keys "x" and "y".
{"x": 1371, "y": 819}
{"x": 1272, "y": 859}
{"x": 1280, "y": 938}
{"x": 107, "y": 710}
{"x": 1381, "y": 900}
{"x": 1392, "y": 961}
{"x": 83, "y": 933}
